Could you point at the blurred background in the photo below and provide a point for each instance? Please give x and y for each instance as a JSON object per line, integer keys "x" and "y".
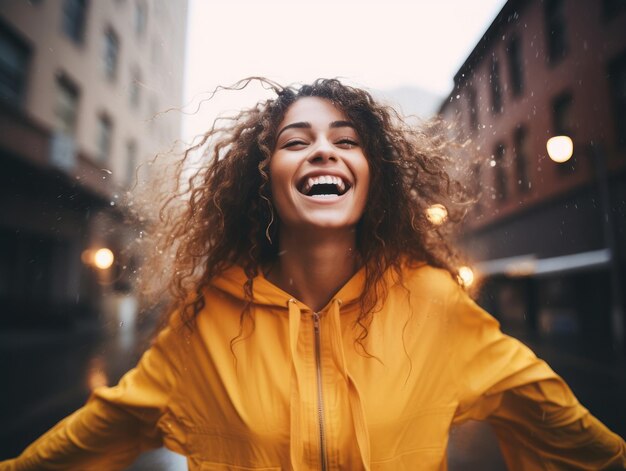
{"x": 91, "y": 91}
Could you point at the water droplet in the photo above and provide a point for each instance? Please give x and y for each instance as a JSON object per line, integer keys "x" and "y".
{"x": 106, "y": 170}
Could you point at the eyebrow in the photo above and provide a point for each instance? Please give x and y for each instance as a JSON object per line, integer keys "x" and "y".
{"x": 307, "y": 125}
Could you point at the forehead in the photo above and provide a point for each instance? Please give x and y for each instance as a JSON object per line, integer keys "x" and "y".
{"x": 313, "y": 110}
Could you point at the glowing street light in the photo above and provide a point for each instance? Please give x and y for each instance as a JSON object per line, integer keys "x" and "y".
{"x": 560, "y": 148}
{"x": 467, "y": 276}
{"x": 103, "y": 258}
{"x": 437, "y": 214}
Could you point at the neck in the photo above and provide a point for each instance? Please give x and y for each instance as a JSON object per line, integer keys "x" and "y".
{"x": 314, "y": 265}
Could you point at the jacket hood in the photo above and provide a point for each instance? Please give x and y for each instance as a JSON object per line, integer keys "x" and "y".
{"x": 265, "y": 293}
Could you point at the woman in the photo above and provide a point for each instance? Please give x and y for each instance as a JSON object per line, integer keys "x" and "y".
{"x": 319, "y": 323}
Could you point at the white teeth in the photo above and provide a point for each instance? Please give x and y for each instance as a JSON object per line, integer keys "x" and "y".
{"x": 324, "y": 180}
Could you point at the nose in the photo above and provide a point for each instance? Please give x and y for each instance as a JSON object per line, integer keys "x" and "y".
{"x": 323, "y": 153}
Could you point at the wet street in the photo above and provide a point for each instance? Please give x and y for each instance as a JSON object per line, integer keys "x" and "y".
{"x": 47, "y": 375}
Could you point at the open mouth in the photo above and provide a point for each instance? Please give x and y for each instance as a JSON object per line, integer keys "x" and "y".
{"x": 323, "y": 186}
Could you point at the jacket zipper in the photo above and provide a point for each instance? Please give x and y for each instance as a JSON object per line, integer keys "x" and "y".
{"x": 320, "y": 400}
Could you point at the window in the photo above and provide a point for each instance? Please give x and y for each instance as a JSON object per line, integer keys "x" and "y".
{"x": 105, "y": 138}
{"x": 520, "y": 139}
{"x": 496, "y": 89}
{"x": 473, "y": 108}
{"x": 515, "y": 66}
{"x": 556, "y": 31}
{"x": 66, "y": 110}
{"x": 131, "y": 162}
{"x": 501, "y": 192}
{"x": 617, "y": 79}
{"x": 564, "y": 126}
{"x": 562, "y": 115}
{"x": 111, "y": 53}
{"x": 74, "y": 16}
{"x": 135, "y": 89}
{"x": 14, "y": 60}
{"x": 141, "y": 17}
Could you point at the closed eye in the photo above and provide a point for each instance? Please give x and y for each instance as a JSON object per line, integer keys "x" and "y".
{"x": 347, "y": 143}
{"x": 294, "y": 143}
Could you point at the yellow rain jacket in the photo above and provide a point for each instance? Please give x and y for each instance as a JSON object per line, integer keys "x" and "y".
{"x": 299, "y": 395}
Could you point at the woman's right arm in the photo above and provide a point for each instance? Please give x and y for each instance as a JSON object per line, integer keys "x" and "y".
{"x": 115, "y": 425}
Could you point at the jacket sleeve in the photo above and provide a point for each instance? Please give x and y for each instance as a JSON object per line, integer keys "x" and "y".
{"x": 115, "y": 424}
{"x": 538, "y": 421}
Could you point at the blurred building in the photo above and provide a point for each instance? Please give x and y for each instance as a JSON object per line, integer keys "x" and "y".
{"x": 548, "y": 237}
{"x": 82, "y": 87}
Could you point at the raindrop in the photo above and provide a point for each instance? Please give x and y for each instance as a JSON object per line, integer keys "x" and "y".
{"x": 492, "y": 163}
{"x": 112, "y": 203}
{"x": 106, "y": 170}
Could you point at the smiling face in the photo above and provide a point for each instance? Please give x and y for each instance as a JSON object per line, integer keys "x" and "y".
{"x": 318, "y": 170}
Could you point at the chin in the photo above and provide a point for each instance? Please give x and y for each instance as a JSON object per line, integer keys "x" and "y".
{"x": 331, "y": 223}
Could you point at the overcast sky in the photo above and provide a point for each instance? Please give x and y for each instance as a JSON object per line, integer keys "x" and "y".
{"x": 378, "y": 44}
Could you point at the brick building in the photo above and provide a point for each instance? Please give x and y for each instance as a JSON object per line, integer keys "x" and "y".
{"x": 548, "y": 238}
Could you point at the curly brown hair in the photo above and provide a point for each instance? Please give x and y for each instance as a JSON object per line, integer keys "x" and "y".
{"x": 223, "y": 215}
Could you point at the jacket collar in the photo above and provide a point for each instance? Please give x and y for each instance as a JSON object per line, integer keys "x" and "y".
{"x": 266, "y": 293}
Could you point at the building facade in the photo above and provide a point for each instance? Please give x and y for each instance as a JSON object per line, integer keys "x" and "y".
{"x": 546, "y": 237}
{"x": 83, "y": 87}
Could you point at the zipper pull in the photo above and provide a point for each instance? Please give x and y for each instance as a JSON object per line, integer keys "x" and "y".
{"x": 316, "y": 321}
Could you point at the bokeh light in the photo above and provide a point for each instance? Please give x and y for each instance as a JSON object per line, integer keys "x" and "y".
{"x": 437, "y": 214}
{"x": 467, "y": 276}
{"x": 560, "y": 148}
{"x": 103, "y": 258}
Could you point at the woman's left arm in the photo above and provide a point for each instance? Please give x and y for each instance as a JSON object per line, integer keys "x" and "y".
{"x": 538, "y": 421}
